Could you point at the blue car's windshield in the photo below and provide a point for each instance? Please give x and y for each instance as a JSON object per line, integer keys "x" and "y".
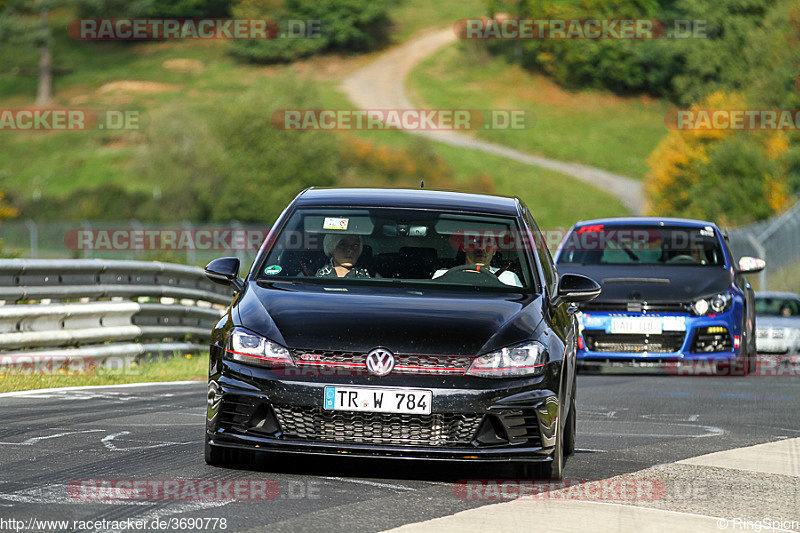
{"x": 642, "y": 245}
{"x": 383, "y": 245}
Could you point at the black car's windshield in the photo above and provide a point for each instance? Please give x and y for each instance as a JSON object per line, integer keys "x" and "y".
{"x": 642, "y": 245}
{"x": 777, "y": 306}
{"x": 399, "y": 246}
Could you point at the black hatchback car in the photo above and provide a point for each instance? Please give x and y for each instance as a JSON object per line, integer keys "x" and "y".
{"x": 407, "y": 324}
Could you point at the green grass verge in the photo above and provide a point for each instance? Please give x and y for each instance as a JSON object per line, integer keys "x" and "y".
{"x": 411, "y": 16}
{"x": 178, "y": 368}
{"x": 590, "y": 126}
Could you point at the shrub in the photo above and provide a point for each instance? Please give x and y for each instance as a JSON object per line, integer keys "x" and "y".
{"x": 684, "y": 70}
{"x": 346, "y": 25}
{"x": 729, "y": 176}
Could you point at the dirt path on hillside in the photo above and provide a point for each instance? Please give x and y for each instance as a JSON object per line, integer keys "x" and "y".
{"x": 381, "y": 85}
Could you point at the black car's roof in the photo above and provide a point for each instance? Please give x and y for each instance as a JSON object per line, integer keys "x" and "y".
{"x": 409, "y": 198}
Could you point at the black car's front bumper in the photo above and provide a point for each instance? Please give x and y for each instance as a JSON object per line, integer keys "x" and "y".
{"x": 472, "y": 419}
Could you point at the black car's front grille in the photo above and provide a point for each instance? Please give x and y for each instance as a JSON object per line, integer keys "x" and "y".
{"x": 635, "y": 307}
{"x": 404, "y": 364}
{"x": 316, "y": 424}
{"x": 600, "y": 341}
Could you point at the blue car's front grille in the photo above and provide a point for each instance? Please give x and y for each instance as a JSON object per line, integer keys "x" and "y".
{"x": 635, "y": 307}
{"x": 600, "y": 341}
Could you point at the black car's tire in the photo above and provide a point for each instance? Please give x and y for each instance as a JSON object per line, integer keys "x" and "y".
{"x": 569, "y": 426}
{"x": 553, "y": 469}
{"x": 226, "y": 457}
{"x": 214, "y": 455}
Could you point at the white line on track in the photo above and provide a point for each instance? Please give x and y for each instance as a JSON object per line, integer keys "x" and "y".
{"x": 33, "y": 440}
{"x": 371, "y": 483}
{"x": 107, "y": 442}
{"x": 35, "y": 392}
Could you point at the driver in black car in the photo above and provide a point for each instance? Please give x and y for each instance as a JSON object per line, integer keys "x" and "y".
{"x": 481, "y": 257}
{"x": 344, "y": 251}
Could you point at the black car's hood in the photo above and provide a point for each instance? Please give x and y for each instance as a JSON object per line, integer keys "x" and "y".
{"x": 407, "y": 321}
{"x": 654, "y": 283}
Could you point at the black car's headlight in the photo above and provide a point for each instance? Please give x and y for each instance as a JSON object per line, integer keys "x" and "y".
{"x": 716, "y": 304}
{"x": 247, "y": 347}
{"x": 524, "y": 359}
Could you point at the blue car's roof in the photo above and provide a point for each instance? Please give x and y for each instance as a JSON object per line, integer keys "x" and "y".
{"x": 646, "y": 221}
{"x": 409, "y": 198}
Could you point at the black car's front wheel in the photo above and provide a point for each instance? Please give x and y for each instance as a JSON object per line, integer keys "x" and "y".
{"x": 214, "y": 455}
{"x": 569, "y": 426}
{"x": 553, "y": 469}
{"x": 226, "y": 457}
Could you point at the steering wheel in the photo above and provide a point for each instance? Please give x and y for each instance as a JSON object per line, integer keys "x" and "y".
{"x": 473, "y": 275}
{"x": 683, "y": 260}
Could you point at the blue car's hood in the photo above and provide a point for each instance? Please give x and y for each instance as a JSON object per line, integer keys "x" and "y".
{"x": 654, "y": 283}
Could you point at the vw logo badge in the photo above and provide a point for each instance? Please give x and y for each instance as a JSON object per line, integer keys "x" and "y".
{"x": 380, "y": 361}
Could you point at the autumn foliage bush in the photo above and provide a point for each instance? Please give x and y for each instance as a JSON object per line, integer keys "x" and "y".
{"x": 723, "y": 175}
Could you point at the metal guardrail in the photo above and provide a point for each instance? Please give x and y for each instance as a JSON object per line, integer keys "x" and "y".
{"x": 776, "y": 240}
{"x": 99, "y": 309}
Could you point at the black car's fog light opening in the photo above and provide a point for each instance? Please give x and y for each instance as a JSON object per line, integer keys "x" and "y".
{"x": 264, "y": 420}
{"x": 247, "y": 347}
{"x": 528, "y": 358}
{"x": 491, "y": 431}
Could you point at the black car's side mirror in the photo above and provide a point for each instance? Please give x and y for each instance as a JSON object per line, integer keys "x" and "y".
{"x": 225, "y": 271}
{"x": 574, "y": 288}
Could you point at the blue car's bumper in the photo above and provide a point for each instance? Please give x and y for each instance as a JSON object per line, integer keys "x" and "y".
{"x": 606, "y": 337}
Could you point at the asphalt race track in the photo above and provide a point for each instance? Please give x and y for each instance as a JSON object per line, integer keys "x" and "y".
{"x": 50, "y": 441}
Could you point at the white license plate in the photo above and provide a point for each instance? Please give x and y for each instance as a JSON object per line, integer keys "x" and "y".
{"x": 636, "y": 326}
{"x": 378, "y": 400}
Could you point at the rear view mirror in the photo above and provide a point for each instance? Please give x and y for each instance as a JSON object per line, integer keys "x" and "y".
{"x": 225, "y": 271}
{"x": 749, "y": 265}
{"x": 573, "y": 288}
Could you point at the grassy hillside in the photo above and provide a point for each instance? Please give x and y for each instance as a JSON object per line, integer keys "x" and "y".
{"x": 196, "y": 79}
{"x": 590, "y": 126}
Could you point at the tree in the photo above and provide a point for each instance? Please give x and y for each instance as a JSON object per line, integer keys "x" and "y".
{"x": 19, "y": 26}
{"x": 730, "y": 176}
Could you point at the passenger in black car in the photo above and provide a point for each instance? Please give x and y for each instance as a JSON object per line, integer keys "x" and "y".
{"x": 344, "y": 251}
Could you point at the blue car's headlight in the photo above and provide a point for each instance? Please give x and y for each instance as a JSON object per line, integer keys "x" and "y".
{"x": 716, "y": 304}
{"x": 247, "y": 347}
{"x": 524, "y": 359}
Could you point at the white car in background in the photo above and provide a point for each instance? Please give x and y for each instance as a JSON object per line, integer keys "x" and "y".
{"x": 777, "y": 323}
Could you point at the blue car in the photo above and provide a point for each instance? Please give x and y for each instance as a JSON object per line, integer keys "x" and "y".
{"x": 671, "y": 294}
